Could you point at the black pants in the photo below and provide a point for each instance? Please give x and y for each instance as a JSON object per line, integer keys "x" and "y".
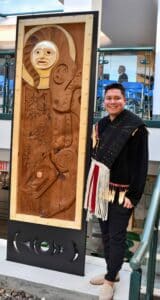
{"x": 114, "y": 237}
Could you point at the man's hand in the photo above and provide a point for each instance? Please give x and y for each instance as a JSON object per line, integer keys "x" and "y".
{"x": 127, "y": 203}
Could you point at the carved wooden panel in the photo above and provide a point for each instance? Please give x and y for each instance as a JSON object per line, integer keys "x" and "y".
{"x": 50, "y": 120}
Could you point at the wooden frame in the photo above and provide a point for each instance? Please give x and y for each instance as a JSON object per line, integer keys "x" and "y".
{"x": 26, "y": 28}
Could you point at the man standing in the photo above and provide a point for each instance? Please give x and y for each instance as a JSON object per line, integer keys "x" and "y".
{"x": 123, "y": 77}
{"x": 116, "y": 180}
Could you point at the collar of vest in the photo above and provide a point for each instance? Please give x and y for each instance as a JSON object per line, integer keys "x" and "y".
{"x": 113, "y": 135}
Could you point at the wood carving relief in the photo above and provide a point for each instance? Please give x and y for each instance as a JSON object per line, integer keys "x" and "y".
{"x": 49, "y": 124}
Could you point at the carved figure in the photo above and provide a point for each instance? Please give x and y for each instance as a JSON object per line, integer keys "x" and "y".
{"x": 49, "y": 134}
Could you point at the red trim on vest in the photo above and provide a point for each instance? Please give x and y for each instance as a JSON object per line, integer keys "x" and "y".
{"x": 112, "y": 184}
{"x": 94, "y": 190}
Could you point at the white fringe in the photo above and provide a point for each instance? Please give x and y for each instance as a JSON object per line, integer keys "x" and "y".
{"x": 121, "y": 196}
{"x": 101, "y": 205}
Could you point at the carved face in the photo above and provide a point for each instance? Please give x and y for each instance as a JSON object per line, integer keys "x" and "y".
{"x": 44, "y": 55}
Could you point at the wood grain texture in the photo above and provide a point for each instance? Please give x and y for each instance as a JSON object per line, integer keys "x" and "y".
{"x": 50, "y": 125}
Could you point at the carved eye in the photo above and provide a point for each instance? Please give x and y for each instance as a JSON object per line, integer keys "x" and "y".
{"x": 60, "y": 74}
{"x": 44, "y": 246}
{"x": 48, "y": 52}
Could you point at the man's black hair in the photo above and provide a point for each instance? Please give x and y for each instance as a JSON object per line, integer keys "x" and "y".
{"x": 115, "y": 85}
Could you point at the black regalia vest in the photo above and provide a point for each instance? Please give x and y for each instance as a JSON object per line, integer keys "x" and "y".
{"x": 110, "y": 140}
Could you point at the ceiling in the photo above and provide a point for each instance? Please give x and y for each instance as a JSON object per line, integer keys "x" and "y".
{"x": 129, "y": 23}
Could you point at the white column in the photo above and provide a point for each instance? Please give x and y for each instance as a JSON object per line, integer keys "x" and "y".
{"x": 156, "y": 92}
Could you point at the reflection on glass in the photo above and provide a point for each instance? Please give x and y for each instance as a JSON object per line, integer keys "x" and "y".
{"x": 135, "y": 70}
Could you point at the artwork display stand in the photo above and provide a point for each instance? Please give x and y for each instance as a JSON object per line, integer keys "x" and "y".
{"x": 52, "y": 124}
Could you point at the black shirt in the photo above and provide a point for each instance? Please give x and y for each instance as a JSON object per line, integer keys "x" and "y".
{"x": 131, "y": 165}
{"x": 123, "y": 78}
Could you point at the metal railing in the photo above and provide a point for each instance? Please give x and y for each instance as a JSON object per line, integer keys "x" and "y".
{"x": 7, "y": 69}
{"x": 6, "y": 107}
{"x": 148, "y": 243}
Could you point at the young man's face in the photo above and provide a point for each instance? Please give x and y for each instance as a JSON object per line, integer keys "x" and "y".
{"x": 114, "y": 102}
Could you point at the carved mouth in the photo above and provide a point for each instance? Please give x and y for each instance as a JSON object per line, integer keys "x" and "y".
{"x": 42, "y": 62}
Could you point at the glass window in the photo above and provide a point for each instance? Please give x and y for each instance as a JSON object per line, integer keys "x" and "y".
{"x": 7, "y": 69}
{"x": 135, "y": 70}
